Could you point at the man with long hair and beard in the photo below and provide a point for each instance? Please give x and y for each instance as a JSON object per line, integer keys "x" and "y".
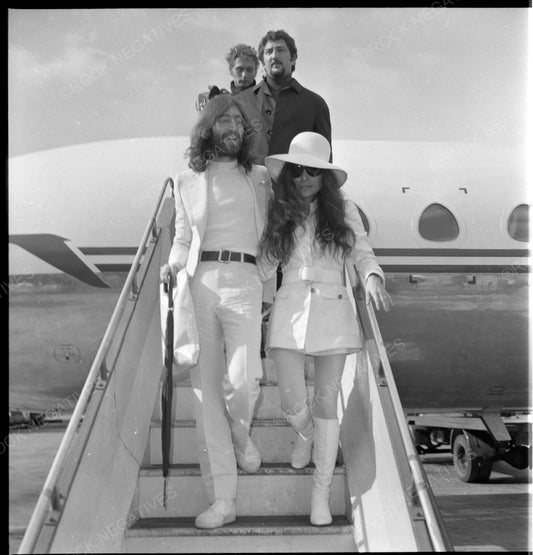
{"x": 314, "y": 233}
{"x": 221, "y": 205}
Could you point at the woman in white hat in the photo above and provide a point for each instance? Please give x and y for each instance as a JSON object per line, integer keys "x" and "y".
{"x": 314, "y": 232}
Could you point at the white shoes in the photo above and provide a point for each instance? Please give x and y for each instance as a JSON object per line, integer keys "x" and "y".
{"x": 221, "y": 512}
{"x": 250, "y": 459}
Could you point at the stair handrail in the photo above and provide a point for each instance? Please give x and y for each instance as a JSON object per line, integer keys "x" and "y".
{"x": 440, "y": 542}
{"x": 48, "y": 492}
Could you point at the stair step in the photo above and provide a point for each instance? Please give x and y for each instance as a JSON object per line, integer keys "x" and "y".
{"x": 273, "y": 438}
{"x": 261, "y": 534}
{"x": 268, "y": 404}
{"x": 275, "y": 489}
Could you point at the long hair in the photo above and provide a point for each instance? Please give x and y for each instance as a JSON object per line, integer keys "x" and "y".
{"x": 287, "y": 211}
{"x": 202, "y": 149}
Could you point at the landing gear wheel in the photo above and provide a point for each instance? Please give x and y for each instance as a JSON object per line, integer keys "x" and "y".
{"x": 469, "y": 468}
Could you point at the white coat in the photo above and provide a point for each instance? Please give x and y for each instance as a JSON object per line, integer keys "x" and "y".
{"x": 317, "y": 315}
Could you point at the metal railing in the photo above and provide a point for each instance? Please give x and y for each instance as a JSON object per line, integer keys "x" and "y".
{"x": 49, "y": 495}
{"x": 371, "y": 330}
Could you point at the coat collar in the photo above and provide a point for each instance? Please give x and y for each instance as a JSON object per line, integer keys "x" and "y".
{"x": 235, "y": 90}
{"x": 263, "y": 86}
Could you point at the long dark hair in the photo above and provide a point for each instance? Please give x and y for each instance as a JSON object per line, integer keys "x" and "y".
{"x": 287, "y": 211}
{"x": 202, "y": 149}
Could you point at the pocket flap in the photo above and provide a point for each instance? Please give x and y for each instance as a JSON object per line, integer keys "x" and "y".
{"x": 332, "y": 291}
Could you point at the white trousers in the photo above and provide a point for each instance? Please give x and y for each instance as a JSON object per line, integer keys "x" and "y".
{"x": 227, "y": 300}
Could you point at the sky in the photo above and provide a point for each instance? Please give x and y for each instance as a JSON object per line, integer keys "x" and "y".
{"x": 417, "y": 74}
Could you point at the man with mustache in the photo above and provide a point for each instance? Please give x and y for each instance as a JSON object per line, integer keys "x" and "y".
{"x": 221, "y": 206}
{"x": 279, "y": 107}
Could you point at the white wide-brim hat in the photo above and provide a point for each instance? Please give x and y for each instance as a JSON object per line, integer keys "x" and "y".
{"x": 306, "y": 149}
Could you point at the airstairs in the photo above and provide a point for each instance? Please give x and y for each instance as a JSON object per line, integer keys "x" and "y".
{"x": 104, "y": 492}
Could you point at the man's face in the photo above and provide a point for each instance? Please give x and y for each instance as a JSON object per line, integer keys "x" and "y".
{"x": 277, "y": 59}
{"x": 243, "y": 72}
{"x": 228, "y": 132}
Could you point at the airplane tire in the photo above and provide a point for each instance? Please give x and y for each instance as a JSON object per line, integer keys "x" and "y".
{"x": 468, "y": 466}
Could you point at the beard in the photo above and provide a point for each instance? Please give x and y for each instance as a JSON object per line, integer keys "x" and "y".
{"x": 280, "y": 73}
{"x": 227, "y": 144}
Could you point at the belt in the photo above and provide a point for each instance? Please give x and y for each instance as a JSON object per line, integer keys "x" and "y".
{"x": 226, "y": 256}
{"x": 311, "y": 273}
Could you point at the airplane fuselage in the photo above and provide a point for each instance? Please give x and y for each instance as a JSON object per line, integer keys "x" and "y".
{"x": 440, "y": 218}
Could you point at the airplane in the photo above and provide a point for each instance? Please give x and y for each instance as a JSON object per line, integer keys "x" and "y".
{"x": 449, "y": 223}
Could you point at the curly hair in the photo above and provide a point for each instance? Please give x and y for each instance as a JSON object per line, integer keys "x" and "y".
{"x": 280, "y": 34}
{"x": 202, "y": 149}
{"x": 287, "y": 211}
{"x": 242, "y": 51}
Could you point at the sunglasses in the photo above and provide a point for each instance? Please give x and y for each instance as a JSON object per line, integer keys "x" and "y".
{"x": 297, "y": 170}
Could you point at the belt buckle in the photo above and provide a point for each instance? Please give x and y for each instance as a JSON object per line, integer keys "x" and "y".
{"x": 228, "y": 260}
{"x": 307, "y": 273}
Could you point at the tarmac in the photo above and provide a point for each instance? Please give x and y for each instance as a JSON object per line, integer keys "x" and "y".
{"x": 492, "y": 516}
{"x": 495, "y": 516}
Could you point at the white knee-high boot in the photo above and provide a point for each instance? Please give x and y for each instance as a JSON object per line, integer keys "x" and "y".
{"x": 302, "y": 424}
{"x": 325, "y": 454}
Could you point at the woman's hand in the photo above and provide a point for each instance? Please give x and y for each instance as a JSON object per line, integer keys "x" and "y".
{"x": 376, "y": 290}
{"x": 167, "y": 270}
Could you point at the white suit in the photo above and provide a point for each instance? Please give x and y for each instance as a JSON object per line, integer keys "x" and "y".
{"x": 227, "y": 299}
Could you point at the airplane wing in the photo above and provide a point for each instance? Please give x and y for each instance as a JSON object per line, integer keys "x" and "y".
{"x": 55, "y": 250}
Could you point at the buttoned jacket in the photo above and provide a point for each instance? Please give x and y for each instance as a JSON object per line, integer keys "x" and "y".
{"x": 314, "y": 314}
{"x": 274, "y": 123}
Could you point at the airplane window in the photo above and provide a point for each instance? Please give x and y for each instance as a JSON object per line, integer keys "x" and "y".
{"x": 437, "y": 223}
{"x": 365, "y": 220}
{"x": 518, "y": 224}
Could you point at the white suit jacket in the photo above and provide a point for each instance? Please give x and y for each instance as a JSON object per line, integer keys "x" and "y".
{"x": 191, "y": 212}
